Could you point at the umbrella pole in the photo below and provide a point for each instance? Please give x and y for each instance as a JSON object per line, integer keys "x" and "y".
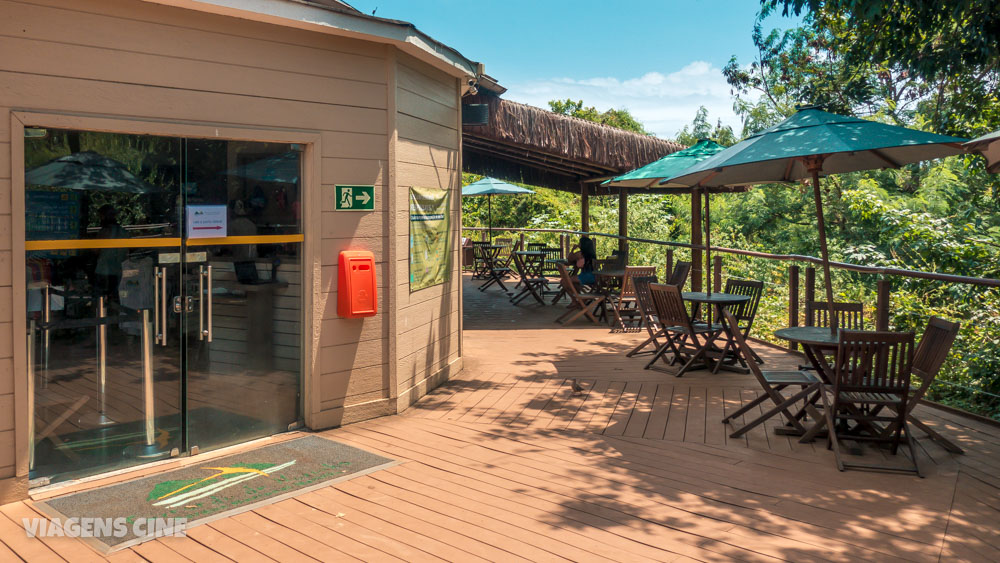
{"x": 824, "y": 253}
{"x": 709, "y": 272}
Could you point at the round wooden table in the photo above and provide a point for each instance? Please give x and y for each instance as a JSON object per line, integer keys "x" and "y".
{"x": 718, "y": 301}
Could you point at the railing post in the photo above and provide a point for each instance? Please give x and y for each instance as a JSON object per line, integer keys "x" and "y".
{"x": 882, "y": 306}
{"x": 717, "y": 272}
{"x": 810, "y": 289}
{"x": 522, "y": 241}
{"x": 793, "y": 300}
{"x": 670, "y": 265}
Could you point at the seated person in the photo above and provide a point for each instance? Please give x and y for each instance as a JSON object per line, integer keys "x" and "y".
{"x": 583, "y": 257}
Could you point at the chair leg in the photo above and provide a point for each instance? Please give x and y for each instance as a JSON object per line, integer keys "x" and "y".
{"x": 831, "y": 428}
{"x": 781, "y": 407}
{"x": 911, "y": 441}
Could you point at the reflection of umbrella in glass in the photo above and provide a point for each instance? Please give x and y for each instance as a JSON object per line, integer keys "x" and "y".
{"x": 814, "y": 142}
{"x": 989, "y": 146}
{"x": 90, "y": 171}
{"x": 281, "y": 169}
{"x": 490, "y": 186}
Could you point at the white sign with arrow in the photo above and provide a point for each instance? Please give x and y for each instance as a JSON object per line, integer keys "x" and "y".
{"x": 206, "y": 221}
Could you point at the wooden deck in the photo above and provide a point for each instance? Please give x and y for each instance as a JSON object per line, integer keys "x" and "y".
{"x": 506, "y": 463}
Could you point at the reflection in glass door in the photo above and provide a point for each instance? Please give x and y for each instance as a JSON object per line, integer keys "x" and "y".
{"x": 145, "y": 338}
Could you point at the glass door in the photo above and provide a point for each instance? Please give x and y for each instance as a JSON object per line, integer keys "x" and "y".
{"x": 163, "y": 296}
{"x": 243, "y": 271}
{"x": 102, "y": 242}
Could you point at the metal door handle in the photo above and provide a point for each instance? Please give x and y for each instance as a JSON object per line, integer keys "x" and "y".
{"x": 203, "y": 333}
{"x": 160, "y": 305}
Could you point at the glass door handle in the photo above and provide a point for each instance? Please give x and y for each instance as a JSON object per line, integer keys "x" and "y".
{"x": 204, "y": 273}
{"x": 160, "y": 305}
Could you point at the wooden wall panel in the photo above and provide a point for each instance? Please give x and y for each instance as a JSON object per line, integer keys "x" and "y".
{"x": 427, "y": 155}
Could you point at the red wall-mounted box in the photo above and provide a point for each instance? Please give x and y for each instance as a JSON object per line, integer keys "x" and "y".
{"x": 357, "y": 295}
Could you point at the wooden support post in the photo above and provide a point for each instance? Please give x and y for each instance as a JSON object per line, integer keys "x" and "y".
{"x": 623, "y": 220}
{"x": 696, "y": 271}
{"x": 562, "y": 245}
{"x": 522, "y": 242}
{"x": 793, "y": 300}
{"x": 882, "y": 307}
{"x": 670, "y": 265}
{"x": 584, "y": 208}
{"x": 717, "y": 267}
{"x": 810, "y": 289}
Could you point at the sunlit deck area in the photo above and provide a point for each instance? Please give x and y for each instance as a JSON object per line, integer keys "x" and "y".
{"x": 505, "y": 462}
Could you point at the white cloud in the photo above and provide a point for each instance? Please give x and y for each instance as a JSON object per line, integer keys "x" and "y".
{"x": 664, "y": 103}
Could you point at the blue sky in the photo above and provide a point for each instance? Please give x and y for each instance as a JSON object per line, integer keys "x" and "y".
{"x": 659, "y": 59}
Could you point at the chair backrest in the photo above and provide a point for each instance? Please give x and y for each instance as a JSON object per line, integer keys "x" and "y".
{"x": 551, "y": 254}
{"x": 567, "y": 283}
{"x": 742, "y": 348}
{"x": 536, "y": 246}
{"x": 932, "y": 351}
{"x": 873, "y": 362}
{"x": 479, "y": 250}
{"x": 628, "y": 291}
{"x": 644, "y": 299}
{"x": 850, "y": 316}
{"x": 680, "y": 274}
{"x": 746, "y": 311}
{"x": 508, "y": 247}
{"x": 669, "y": 305}
{"x": 604, "y": 263}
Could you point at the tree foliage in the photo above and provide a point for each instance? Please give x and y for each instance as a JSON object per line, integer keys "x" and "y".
{"x": 620, "y": 118}
{"x": 701, "y": 128}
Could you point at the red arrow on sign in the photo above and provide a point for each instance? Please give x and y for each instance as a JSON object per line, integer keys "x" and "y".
{"x": 215, "y": 228}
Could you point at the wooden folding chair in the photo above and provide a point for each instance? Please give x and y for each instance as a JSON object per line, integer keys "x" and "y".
{"x": 931, "y": 353}
{"x": 680, "y": 274}
{"x": 480, "y": 253}
{"x": 644, "y": 302}
{"x": 872, "y": 371}
{"x": 534, "y": 282}
{"x": 680, "y": 333}
{"x": 850, "y": 316}
{"x": 772, "y": 382}
{"x": 580, "y": 304}
{"x": 745, "y": 312}
{"x": 624, "y": 304}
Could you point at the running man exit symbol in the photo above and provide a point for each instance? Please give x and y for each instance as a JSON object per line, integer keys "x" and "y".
{"x": 355, "y": 198}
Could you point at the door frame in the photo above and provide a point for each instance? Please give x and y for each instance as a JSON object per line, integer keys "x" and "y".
{"x": 311, "y": 260}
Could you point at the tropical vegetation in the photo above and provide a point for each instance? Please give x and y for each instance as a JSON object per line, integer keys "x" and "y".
{"x": 925, "y": 65}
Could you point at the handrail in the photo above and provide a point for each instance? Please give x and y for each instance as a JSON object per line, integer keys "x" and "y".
{"x": 951, "y": 278}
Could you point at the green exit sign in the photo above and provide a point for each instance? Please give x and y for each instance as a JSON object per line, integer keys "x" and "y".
{"x": 355, "y": 198}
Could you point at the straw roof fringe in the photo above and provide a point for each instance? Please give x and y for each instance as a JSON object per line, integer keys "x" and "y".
{"x": 577, "y": 147}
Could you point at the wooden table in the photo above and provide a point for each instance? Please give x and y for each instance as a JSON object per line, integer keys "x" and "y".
{"x": 719, "y": 300}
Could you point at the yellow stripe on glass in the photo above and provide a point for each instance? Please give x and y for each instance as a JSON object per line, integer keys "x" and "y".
{"x": 93, "y": 244}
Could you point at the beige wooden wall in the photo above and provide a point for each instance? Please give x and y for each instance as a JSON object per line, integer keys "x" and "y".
{"x": 146, "y": 62}
{"x": 427, "y": 154}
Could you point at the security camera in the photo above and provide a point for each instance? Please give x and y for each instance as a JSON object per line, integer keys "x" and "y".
{"x": 473, "y": 86}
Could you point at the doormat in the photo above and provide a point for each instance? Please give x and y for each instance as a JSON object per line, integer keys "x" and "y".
{"x": 126, "y": 514}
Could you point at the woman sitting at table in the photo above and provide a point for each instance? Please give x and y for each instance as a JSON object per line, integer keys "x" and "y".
{"x": 583, "y": 256}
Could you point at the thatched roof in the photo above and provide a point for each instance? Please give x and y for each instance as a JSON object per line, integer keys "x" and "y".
{"x": 522, "y": 143}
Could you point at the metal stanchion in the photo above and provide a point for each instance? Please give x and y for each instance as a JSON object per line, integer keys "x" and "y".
{"x": 47, "y": 316}
{"x": 102, "y": 364}
{"x": 149, "y": 450}
{"x": 31, "y": 394}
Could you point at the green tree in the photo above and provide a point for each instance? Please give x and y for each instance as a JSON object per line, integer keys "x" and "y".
{"x": 620, "y": 118}
{"x": 700, "y": 128}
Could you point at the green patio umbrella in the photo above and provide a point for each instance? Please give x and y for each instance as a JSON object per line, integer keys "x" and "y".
{"x": 490, "y": 187}
{"x": 812, "y": 143}
{"x": 988, "y": 146}
{"x": 649, "y": 176}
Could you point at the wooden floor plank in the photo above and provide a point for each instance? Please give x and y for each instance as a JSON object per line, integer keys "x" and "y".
{"x": 677, "y": 421}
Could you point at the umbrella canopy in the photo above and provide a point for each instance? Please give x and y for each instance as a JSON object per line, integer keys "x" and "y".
{"x": 90, "y": 171}
{"x": 490, "y": 187}
{"x": 988, "y": 146}
{"x": 812, "y": 143}
{"x": 283, "y": 169}
{"x": 787, "y": 151}
{"x": 666, "y": 167}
